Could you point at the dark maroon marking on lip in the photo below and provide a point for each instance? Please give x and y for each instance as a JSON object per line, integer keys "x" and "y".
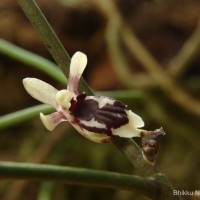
{"x": 113, "y": 108}
{"x": 119, "y": 104}
{"x": 85, "y": 110}
{"x": 73, "y": 105}
{"x": 81, "y": 97}
{"x": 112, "y": 115}
{"x": 96, "y": 130}
{"x": 110, "y": 119}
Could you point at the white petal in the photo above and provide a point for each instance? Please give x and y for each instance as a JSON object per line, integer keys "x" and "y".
{"x": 126, "y": 131}
{"x": 78, "y": 63}
{"x": 130, "y": 130}
{"x": 77, "y": 66}
{"x": 52, "y": 120}
{"x": 41, "y": 91}
{"x": 135, "y": 119}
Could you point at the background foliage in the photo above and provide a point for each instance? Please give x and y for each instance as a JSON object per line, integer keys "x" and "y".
{"x": 168, "y": 29}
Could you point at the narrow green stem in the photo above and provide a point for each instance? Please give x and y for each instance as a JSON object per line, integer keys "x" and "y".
{"x": 32, "y": 60}
{"x": 23, "y": 115}
{"x": 46, "y": 33}
{"x": 122, "y": 94}
{"x": 128, "y": 146}
{"x": 50, "y": 39}
{"x": 78, "y": 176}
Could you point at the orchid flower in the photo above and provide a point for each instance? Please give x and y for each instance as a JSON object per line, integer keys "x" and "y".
{"x": 97, "y": 118}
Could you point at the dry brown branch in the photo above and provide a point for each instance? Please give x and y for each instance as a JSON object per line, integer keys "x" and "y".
{"x": 119, "y": 63}
{"x": 172, "y": 90}
{"x": 188, "y": 52}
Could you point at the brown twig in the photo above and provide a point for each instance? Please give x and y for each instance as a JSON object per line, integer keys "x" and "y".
{"x": 172, "y": 90}
{"x": 141, "y": 81}
{"x": 188, "y": 52}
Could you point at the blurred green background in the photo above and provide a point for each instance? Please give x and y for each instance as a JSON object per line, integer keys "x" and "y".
{"x": 164, "y": 27}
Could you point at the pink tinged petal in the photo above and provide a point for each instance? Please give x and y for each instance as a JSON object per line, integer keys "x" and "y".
{"x": 130, "y": 130}
{"x": 77, "y": 66}
{"x": 41, "y": 91}
{"x": 52, "y": 120}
